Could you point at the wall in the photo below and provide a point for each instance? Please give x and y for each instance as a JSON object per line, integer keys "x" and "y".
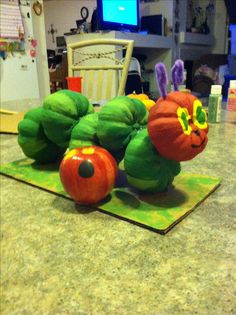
{"x": 217, "y": 23}
{"x": 23, "y": 77}
{"x": 42, "y": 59}
{"x": 63, "y": 15}
{"x": 164, "y": 7}
{"x": 220, "y": 28}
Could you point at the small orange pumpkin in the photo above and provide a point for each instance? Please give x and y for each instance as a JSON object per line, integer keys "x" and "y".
{"x": 88, "y": 174}
{"x": 140, "y": 96}
{"x": 148, "y": 103}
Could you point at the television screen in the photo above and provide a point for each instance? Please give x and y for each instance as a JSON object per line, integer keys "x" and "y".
{"x": 118, "y": 14}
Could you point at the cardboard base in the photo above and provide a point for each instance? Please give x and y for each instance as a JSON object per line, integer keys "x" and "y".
{"x": 9, "y": 121}
{"x": 157, "y": 212}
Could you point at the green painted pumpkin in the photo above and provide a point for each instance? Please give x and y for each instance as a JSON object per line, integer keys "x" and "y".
{"x": 61, "y": 112}
{"x": 33, "y": 140}
{"x": 85, "y": 132}
{"x": 119, "y": 121}
{"x": 146, "y": 169}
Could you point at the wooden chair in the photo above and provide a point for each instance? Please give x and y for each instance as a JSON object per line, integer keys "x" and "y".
{"x": 58, "y": 76}
{"x": 103, "y": 65}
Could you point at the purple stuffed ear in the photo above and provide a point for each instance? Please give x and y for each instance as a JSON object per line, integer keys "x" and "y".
{"x": 177, "y": 73}
{"x": 161, "y": 78}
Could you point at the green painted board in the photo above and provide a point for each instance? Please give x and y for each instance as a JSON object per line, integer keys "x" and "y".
{"x": 158, "y": 212}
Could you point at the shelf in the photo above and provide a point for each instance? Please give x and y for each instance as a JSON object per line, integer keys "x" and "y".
{"x": 196, "y": 39}
{"x": 146, "y": 40}
{"x": 141, "y": 40}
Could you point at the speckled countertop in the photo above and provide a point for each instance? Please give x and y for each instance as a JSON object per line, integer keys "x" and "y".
{"x": 56, "y": 260}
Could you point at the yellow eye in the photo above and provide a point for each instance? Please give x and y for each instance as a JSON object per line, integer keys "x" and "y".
{"x": 199, "y": 115}
{"x": 184, "y": 117}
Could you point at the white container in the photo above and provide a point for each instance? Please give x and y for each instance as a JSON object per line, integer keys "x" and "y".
{"x": 215, "y": 104}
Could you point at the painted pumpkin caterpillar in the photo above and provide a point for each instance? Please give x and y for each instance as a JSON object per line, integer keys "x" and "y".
{"x": 152, "y": 144}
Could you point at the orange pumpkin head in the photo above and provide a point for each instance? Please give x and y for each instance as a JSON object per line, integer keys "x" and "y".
{"x": 177, "y": 126}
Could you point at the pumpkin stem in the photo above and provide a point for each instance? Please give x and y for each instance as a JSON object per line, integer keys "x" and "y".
{"x": 177, "y": 73}
{"x": 161, "y": 78}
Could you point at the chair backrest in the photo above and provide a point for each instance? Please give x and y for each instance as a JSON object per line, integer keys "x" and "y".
{"x": 103, "y": 64}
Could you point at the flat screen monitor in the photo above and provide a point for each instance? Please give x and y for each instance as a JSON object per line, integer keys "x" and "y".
{"x": 60, "y": 40}
{"x": 231, "y": 10}
{"x": 118, "y": 15}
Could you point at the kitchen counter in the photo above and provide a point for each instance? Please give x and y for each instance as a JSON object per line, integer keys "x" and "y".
{"x": 59, "y": 260}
